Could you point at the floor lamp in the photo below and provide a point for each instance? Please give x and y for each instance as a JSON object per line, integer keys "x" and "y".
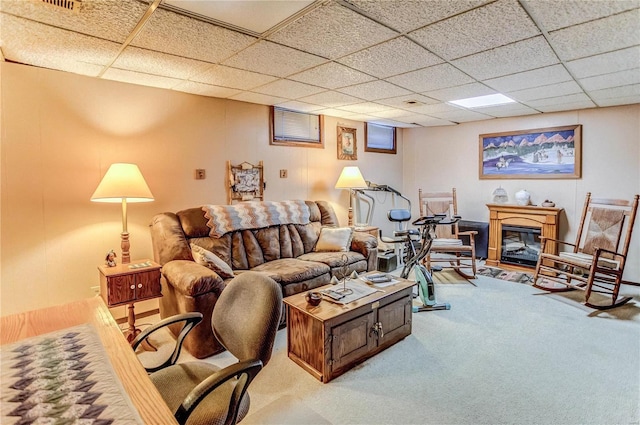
{"x": 123, "y": 183}
{"x": 351, "y": 178}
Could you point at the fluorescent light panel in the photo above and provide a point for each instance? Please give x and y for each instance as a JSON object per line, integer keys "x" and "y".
{"x": 482, "y": 101}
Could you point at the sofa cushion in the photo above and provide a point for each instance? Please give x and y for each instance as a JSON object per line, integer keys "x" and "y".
{"x": 192, "y": 279}
{"x": 290, "y": 270}
{"x": 334, "y": 239}
{"x": 333, "y": 259}
{"x": 211, "y": 261}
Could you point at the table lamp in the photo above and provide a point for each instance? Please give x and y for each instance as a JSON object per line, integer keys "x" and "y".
{"x": 123, "y": 183}
{"x": 351, "y": 178}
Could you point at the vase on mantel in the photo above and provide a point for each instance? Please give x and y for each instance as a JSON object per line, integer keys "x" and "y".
{"x": 523, "y": 197}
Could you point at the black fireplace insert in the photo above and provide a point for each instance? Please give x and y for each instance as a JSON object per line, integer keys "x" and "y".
{"x": 520, "y": 245}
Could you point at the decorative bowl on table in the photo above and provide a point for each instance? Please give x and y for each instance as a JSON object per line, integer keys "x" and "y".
{"x": 313, "y": 298}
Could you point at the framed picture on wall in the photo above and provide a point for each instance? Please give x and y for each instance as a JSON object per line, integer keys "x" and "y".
{"x": 347, "y": 144}
{"x": 544, "y": 153}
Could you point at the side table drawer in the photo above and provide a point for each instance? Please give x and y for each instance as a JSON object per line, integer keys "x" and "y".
{"x": 148, "y": 285}
{"x": 121, "y": 289}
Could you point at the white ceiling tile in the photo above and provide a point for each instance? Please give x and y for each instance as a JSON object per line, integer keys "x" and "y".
{"x": 364, "y": 108}
{"x": 258, "y": 98}
{"x": 517, "y": 57}
{"x": 591, "y": 38}
{"x": 557, "y": 107}
{"x": 325, "y": 76}
{"x": 407, "y": 101}
{"x": 332, "y": 31}
{"x": 393, "y": 57}
{"x": 331, "y": 99}
{"x": 436, "y": 108}
{"x": 106, "y": 19}
{"x": 544, "y": 104}
{"x": 29, "y": 42}
{"x": 195, "y": 39}
{"x": 461, "y": 115}
{"x": 408, "y": 15}
{"x": 509, "y": 110}
{"x": 483, "y": 28}
{"x": 432, "y": 78}
{"x": 425, "y": 121}
{"x": 615, "y": 79}
{"x": 332, "y": 112}
{"x": 615, "y": 92}
{"x": 392, "y": 113}
{"x": 552, "y": 90}
{"x": 288, "y": 89}
{"x": 231, "y": 77}
{"x": 553, "y": 15}
{"x": 535, "y": 78}
{"x": 273, "y": 59}
{"x": 605, "y": 63}
{"x": 460, "y": 92}
{"x": 374, "y": 90}
{"x": 295, "y": 105}
{"x": 140, "y": 78}
{"x": 149, "y": 62}
{"x": 206, "y": 89}
{"x": 617, "y": 95}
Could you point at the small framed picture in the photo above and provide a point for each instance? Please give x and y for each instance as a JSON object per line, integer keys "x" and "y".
{"x": 347, "y": 144}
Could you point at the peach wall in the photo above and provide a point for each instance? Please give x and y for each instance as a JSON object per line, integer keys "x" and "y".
{"x": 60, "y": 133}
{"x": 438, "y": 158}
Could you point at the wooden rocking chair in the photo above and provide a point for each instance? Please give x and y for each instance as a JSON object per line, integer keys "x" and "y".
{"x": 596, "y": 262}
{"x": 447, "y": 245}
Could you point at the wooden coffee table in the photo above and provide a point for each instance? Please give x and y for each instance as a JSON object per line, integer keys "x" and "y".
{"x": 330, "y": 339}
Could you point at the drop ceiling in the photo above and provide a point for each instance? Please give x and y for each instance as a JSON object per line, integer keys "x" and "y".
{"x": 394, "y": 62}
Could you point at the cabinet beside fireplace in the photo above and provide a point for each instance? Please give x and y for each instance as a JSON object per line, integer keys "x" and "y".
{"x": 544, "y": 219}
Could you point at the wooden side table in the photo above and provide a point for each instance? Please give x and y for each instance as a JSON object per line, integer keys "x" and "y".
{"x": 128, "y": 284}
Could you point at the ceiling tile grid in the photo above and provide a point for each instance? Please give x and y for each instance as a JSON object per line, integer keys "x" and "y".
{"x": 326, "y": 75}
{"x": 375, "y": 90}
{"x": 393, "y": 57}
{"x": 408, "y": 15}
{"x": 55, "y": 48}
{"x": 477, "y": 30}
{"x": 194, "y": 39}
{"x": 393, "y": 61}
{"x": 341, "y": 31}
{"x": 432, "y": 78}
{"x": 273, "y": 59}
{"x": 104, "y": 19}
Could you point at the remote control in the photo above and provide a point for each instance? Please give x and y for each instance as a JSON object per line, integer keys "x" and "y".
{"x": 333, "y": 294}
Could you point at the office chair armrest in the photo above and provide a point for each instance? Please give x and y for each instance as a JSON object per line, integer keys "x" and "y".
{"x": 191, "y": 401}
{"x": 190, "y": 321}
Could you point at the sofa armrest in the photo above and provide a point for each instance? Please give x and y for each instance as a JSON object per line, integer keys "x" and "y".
{"x": 191, "y": 278}
{"x": 367, "y": 245}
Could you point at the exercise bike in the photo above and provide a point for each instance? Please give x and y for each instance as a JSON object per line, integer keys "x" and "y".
{"x": 415, "y": 251}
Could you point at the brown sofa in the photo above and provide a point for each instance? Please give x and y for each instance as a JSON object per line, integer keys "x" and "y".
{"x": 285, "y": 252}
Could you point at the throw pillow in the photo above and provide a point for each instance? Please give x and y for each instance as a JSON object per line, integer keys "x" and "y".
{"x": 334, "y": 239}
{"x": 212, "y": 261}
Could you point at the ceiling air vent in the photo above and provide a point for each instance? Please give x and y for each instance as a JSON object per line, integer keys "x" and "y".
{"x": 412, "y": 103}
{"x": 72, "y": 5}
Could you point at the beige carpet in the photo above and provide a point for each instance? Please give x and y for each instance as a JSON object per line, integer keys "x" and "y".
{"x": 505, "y": 353}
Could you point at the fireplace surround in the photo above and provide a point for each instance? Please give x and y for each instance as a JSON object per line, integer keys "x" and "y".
{"x": 522, "y": 226}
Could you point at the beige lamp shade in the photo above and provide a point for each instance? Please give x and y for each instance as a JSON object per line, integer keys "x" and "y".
{"x": 351, "y": 178}
{"x": 122, "y": 182}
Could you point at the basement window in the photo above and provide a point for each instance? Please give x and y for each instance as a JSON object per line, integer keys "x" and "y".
{"x": 379, "y": 138}
{"x": 293, "y": 128}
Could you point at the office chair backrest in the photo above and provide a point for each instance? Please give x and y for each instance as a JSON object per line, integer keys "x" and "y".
{"x": 246, "y": 317}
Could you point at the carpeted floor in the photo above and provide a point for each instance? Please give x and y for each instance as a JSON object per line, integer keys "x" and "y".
{"x": 504, "y": 354}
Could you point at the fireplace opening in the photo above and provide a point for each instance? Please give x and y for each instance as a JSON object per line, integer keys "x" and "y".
{"x": 520, "y": 245}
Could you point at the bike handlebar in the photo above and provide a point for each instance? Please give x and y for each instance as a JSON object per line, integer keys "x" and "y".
{"x": 436, "y": 219}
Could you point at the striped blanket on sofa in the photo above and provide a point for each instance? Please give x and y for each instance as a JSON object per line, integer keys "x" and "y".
{"x": 254, "y": 215}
